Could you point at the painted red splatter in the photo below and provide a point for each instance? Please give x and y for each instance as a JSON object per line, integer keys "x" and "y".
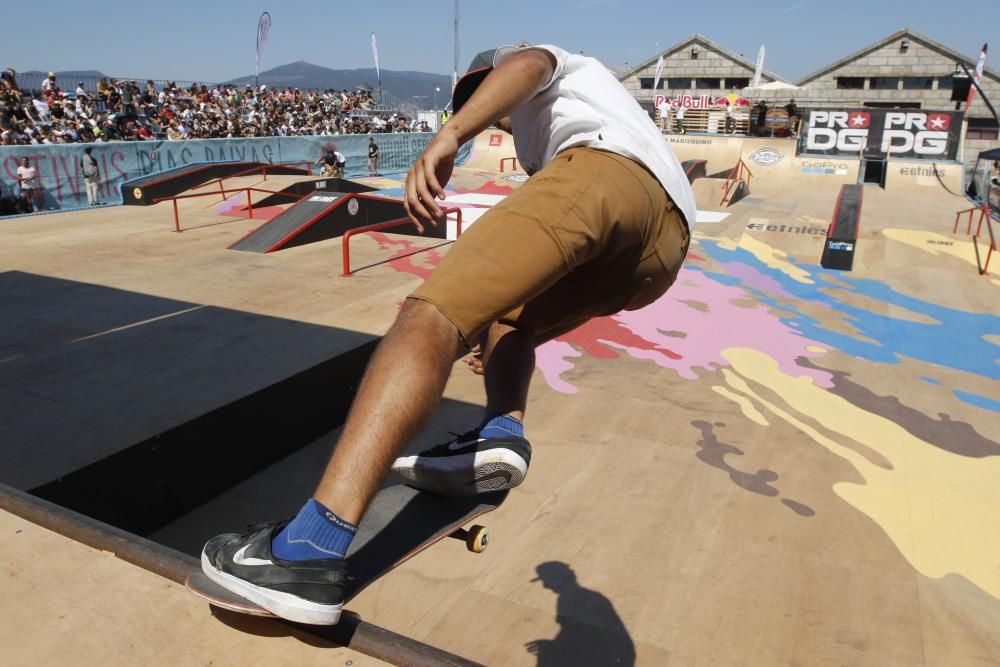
{"x": 589, "y": 336}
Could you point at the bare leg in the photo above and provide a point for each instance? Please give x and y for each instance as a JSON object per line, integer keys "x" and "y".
{"x": 400, "y": 391}
{"x": 508, "y": 356}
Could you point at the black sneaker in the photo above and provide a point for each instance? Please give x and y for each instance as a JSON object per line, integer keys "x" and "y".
{"x": 467, "y": 465}
{"x": 303, "y": 591}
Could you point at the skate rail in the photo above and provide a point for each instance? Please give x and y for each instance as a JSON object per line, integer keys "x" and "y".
{"x": 984, "y": 267}
{"x": 984, "y": 217}
{"x": 513, "y": 162}
{"x": 346, "y": 244}
{"x": 225, "y": 195}
{"x": 736, "y": 174}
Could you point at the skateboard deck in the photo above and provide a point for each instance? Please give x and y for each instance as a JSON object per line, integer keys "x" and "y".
{"x": 400, "y": 523}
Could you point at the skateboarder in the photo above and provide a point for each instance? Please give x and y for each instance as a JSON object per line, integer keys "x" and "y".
{"x": 601, "y": 226}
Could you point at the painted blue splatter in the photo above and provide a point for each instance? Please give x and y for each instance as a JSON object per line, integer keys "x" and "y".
{"x": 977, "y": 400}
{"x": 931, "y": 380}
{"x": 956, "y": 339}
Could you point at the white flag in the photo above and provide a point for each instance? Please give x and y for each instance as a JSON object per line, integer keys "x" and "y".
{"x": 760, "y": 67}
{"x": 375, "y": 53}
{"x": 263, "y": 27}
{"x": 659, "y": 71}
{"x": 978, "y": 75}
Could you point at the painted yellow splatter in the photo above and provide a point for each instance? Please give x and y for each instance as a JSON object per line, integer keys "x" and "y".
{"x": 939, "y": 508}
{"x": 817, "y": 349}
{"x": 934, "y": 244}
{"x": 774, "y": 258}
{"x": 746, "y": 407}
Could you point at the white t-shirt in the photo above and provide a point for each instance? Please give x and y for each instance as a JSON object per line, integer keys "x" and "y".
{"x": 28, "y": 176}
{"x": 585, "y": 105}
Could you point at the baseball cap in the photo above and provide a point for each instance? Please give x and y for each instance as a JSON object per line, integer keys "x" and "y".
{"x": 479, "y": 68}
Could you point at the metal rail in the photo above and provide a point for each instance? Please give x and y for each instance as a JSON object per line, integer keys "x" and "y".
{"x": 225, "y": 195}
{"x": 346, "y": 244}
{"x": 351, "y": 632}
{"x": 734, "y": 177}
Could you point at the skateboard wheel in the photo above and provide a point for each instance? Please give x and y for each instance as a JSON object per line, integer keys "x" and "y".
{"x": 478, "y": 539}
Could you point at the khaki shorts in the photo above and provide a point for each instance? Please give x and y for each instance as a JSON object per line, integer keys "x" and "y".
{"x": 591, "y": 234}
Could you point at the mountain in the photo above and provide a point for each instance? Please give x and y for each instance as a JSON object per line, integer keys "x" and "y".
{"x": 414, "y": 87}
{"x": 65, "y": 74}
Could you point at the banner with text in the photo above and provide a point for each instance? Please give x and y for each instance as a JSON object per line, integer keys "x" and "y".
{"x": 63, "y": 187}
{"x": 880, "y": 133}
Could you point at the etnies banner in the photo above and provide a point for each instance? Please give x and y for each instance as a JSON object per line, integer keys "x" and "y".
{"x": 880, "y": 133}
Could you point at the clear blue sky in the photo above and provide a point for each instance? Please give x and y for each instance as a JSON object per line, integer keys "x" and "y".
{"x": 208, "y": 40}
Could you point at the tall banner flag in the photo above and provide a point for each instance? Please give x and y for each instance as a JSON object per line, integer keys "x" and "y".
{"x": 659, "y": 71}
{"x": 978, "y": 76}
{"x": 760, "y": 67}
{"x": 263, "y": 27}
{"x": 378, "y": 72}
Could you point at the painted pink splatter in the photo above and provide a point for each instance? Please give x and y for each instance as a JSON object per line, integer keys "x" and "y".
{"x": 703, "y": 309}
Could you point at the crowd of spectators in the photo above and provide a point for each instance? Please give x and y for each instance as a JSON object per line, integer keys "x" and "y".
{"x": 124, "y": 110}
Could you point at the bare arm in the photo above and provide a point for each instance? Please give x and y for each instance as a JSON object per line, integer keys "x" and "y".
{"x": 507, "y": 88}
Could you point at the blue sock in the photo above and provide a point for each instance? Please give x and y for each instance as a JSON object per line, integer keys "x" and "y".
{"x": 314, "y": 533}
{"x": 499, "y": 426}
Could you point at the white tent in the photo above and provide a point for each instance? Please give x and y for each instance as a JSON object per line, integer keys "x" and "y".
{"x": 773, "y": 85}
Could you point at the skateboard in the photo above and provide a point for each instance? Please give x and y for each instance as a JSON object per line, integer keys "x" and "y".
{"x": 400, "y": 523}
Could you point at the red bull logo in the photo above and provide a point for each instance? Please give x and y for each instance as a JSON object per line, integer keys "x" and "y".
{"x": 700, "y": 102}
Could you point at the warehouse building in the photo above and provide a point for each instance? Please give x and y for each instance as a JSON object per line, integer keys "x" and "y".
{"x": 903, "y": 70}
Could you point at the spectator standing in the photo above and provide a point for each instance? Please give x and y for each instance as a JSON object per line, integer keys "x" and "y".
{"x": 793, "y": 117}
{"x": 27, "y": 179}
{"x": 91, "y": 175}
{"x": 679, "y": 117}
{"x": 372, "y": 157}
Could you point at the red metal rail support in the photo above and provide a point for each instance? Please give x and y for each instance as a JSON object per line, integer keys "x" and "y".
{"x": 985, "y": 267}
{"x": 513, "y": 161}
{"x": 346, "y": 243}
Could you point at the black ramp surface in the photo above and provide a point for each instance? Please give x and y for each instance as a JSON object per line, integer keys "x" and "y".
{"x": 848, "y": 213}
{"x": 270, "y": 234}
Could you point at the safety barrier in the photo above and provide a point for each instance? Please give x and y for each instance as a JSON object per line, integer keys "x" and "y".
{"x": 346, "y": 247}
{"x": 740, "y": 172}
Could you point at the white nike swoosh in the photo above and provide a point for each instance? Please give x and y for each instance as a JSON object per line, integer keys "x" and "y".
{"x": 239, "y": 559}
{"x": 454, "y": 446}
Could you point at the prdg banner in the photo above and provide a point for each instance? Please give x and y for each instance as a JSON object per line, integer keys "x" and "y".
{"x": 880, "y": 133}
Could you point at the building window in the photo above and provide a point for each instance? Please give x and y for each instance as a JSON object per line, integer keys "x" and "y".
{"x": 679, "y": 84}
{"x": 708, "y": 84}
{"x": 646, "y": 83}
{"x": 944, "y": 82}
{"x": 737, "y": 83}
{"x": 982, "y": 128}
{"x": 851, "y": 82}
{"x": 884, "y": 83}
{"x": 918, "y": 83}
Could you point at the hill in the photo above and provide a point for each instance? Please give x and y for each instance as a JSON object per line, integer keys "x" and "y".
{"x": 415, "y": 87}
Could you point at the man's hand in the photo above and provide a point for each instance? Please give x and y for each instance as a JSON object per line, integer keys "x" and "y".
{"x": 426, "y": 180}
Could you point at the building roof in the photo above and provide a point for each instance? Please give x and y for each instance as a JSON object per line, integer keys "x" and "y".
{"x": 899, "y": 34}
{"x": 707, "y": 43}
